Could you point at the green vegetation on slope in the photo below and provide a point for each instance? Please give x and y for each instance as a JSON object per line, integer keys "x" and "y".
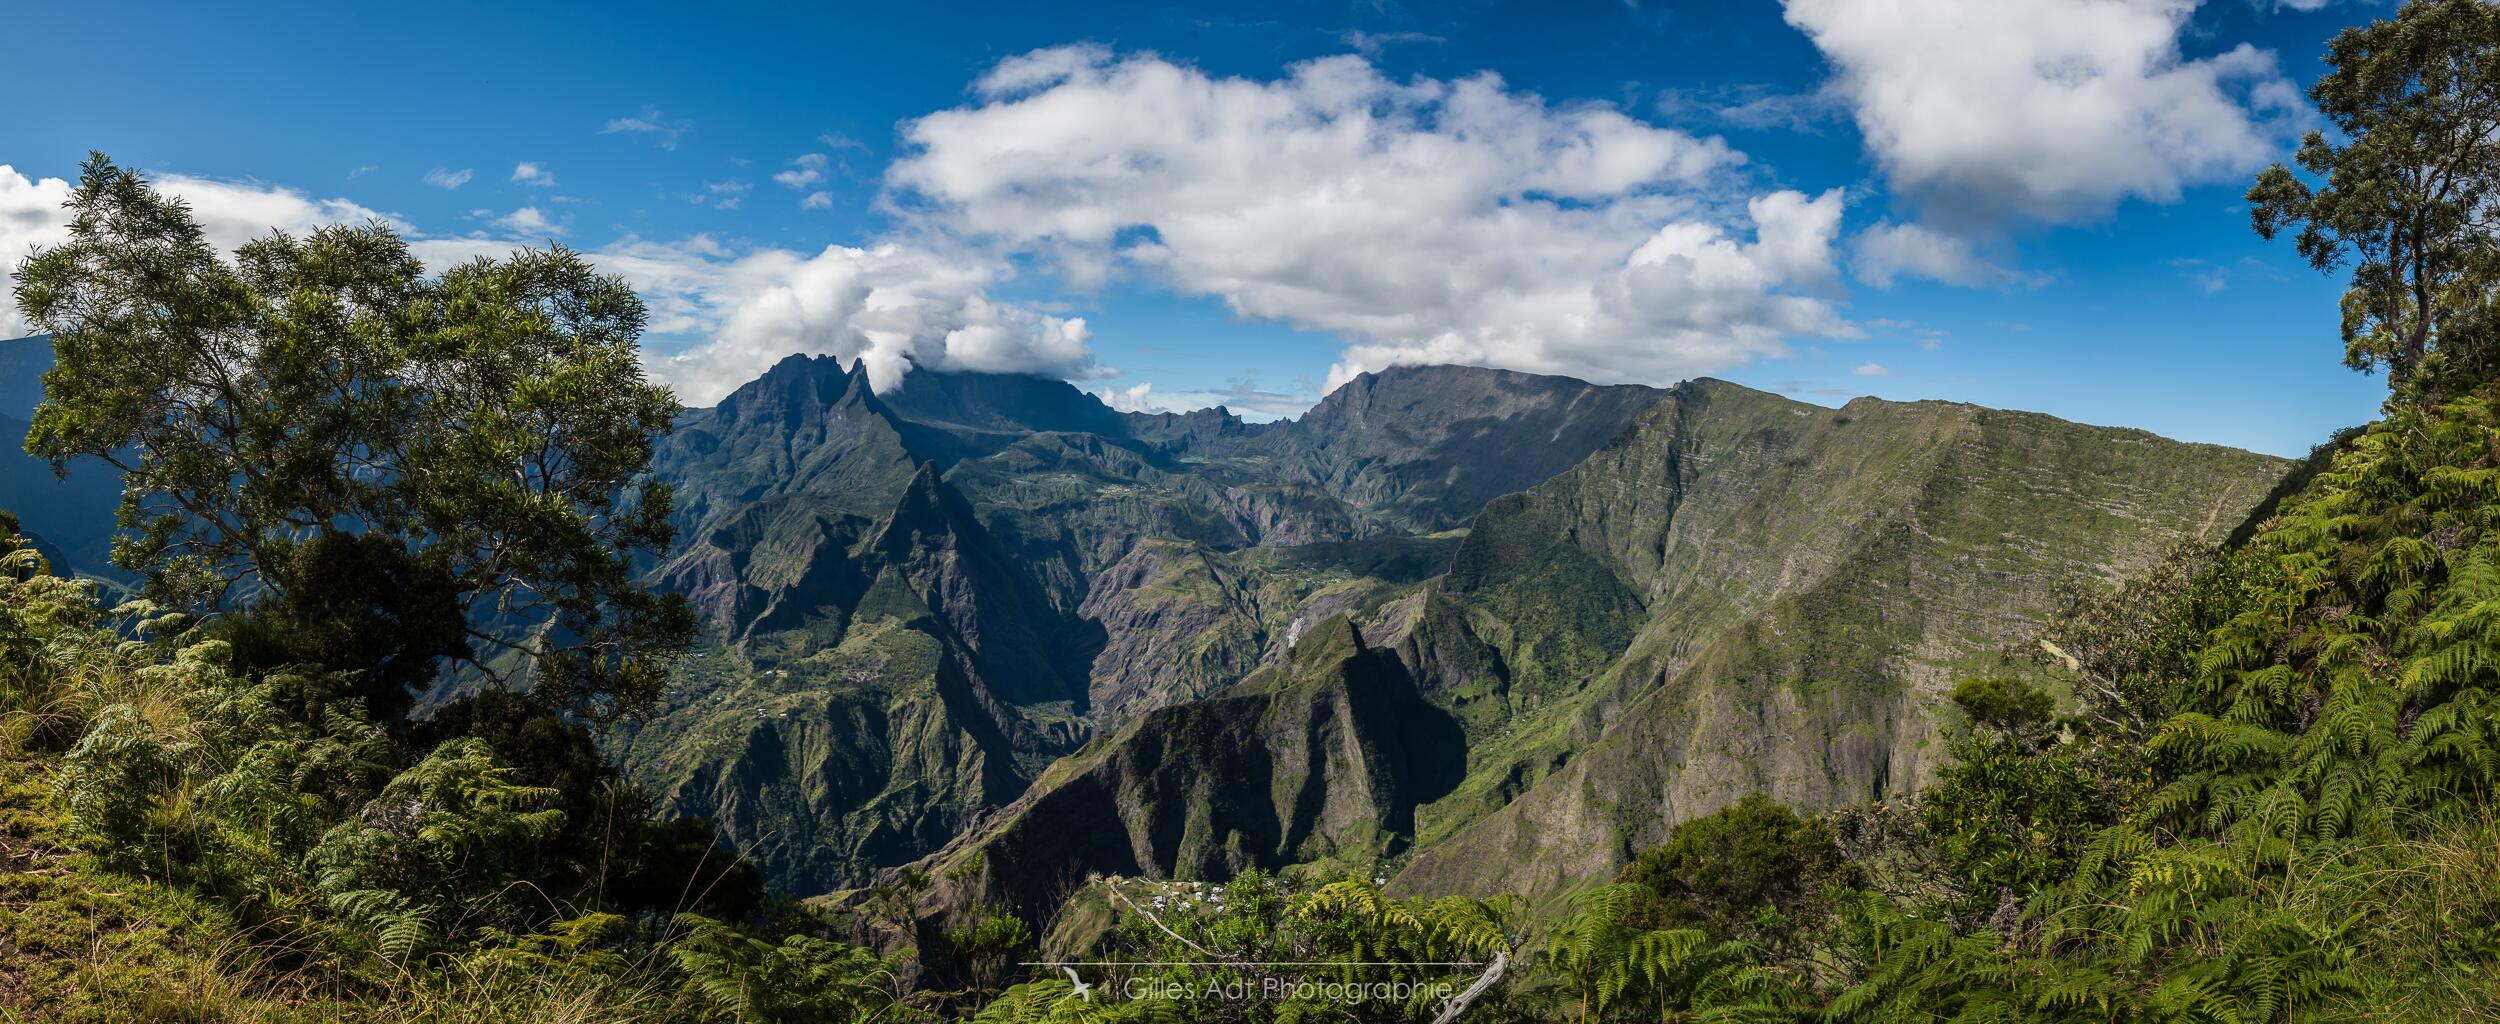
{"x": 2252, "y": 783}
{"x": 1064, "y": 571}
{"x": 1748, "y": 594}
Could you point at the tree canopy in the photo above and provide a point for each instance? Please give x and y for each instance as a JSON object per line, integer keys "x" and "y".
{"x": 376, "y": 459}
{"x": 2408, "y": 190}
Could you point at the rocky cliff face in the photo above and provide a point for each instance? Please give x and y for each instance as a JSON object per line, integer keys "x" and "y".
{"x": 1423, "y": 447}
{"x": 1322, "y": 756}
{"x": 1797, "y": 588}
{"x": 986, "y": 614}
{"x": 1740, "y": 593}
{"x": 922, "y": 599}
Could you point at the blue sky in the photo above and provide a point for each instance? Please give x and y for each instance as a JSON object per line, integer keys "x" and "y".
{"x": 1179, "y": 205}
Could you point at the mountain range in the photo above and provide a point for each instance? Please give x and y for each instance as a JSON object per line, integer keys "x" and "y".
{"x": 1478, "y": 630}
{"x": 923, "y": 600}
{"x": 1473, "y": 630}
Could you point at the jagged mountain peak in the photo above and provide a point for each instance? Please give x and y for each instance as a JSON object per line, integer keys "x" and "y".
{"x": 1330, "y": 641}
{"x": 928, "y": 506}
{"x": 796, "y": 387}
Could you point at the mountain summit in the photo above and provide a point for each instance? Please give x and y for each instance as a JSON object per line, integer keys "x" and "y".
{"x": 940, "y": 611}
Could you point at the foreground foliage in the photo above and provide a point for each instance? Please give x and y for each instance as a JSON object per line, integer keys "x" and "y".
{"x": 2267, "y": 797}
{"x": 389, "y": 468}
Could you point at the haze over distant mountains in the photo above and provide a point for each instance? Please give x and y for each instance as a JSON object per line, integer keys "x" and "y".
{"x": 71, "y": 520}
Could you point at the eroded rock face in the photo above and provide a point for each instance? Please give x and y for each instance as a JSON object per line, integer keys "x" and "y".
{"x": 1741, "y": 593}
{"x": 1324, "y": 755}
{"x": 1810, "y": 583}
{"x": 922, "y": 599}
{"x": 989, "y": 616}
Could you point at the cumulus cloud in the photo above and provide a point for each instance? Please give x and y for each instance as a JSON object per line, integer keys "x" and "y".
{"x": 1888, "y": 252}
{"x": 30, "y": 216}
{"x": 806, "y": 170}
{"x": 1423, "y": 220}
{"x": 1137, "y": 397}
{"x": 447, "y": 179}
{"x": 234, "y": 212}
{"x": 892, "y": 306}
{"x": 1986, "y": 111}
{"x": 533, "y": 175}
{"x": 230, "y": 213}
{"x": 1872, "y": 370}
{"x": 728, "y": 313}
{"x": 529, "y": 223}
{"x": 721, "y": 315}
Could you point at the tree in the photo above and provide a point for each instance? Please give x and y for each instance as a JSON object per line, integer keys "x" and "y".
{"x": 1754, "y": 871}
{"x": 395, "y": 469}
{"x": 2410, "y": 191}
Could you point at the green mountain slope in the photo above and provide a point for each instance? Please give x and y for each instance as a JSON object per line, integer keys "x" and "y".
{"x": 1741, "y": 593}
{"x": 922, "y": 598}
{"x": 1321, "y": 756}
{"x": 1799, "y": 588}
{"x": 1421, "y": 447}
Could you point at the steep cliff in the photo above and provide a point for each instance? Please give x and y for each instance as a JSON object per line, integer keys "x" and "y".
{"x": 1748, "y": 594}
{"x": 921, "y": 598}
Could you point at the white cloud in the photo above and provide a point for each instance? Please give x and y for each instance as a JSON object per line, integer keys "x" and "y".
{"x": 234, "y": 212}
{"x": 1872, "y": 370}
{"x": 1134, "y": 398}
{"x": 1985, "y": 111}
{"x": 1887, "y": 252}
{"x": 533, "y": 175}
{"x": 650, "y": 122}
{"x": 730, "y": 313}
{"x": 1424, "y": 220}
{"x": 807, "y": 169}
{"x": 1243, "y": 397}
{"x": 229, "y": 214}
{"x": 893, "y": 306}
{"x": 817, "y": 201}
{"x": 529, "y": 223}
{"x": 448, "y": 179}
{"x": 720, "y": 316}
{"x": 30, "y": 216}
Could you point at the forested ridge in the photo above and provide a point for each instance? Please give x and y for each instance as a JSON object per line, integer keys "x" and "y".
{"x": 2254, "y": 782}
